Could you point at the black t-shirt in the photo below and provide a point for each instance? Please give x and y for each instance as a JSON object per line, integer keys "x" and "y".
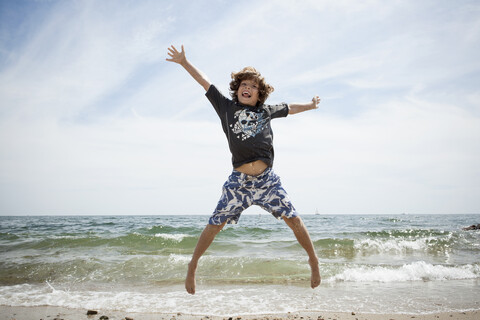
{"x": 247, "y": 128}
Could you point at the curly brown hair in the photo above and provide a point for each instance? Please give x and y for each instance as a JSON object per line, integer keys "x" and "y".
{"x": 250, "y": 73}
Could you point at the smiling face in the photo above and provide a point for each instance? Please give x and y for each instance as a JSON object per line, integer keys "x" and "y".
{"x": 247, "y": 92}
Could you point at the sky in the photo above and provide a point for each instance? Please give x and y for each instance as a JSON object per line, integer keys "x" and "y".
{"x": 94, "y": 120}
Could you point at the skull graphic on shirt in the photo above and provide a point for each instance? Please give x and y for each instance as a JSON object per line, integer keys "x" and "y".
{"x": 248, "y": 123}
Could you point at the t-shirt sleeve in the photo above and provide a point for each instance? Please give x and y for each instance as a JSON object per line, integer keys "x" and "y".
{"x": 217, "y": 99}
{"x": 277, "y": 110}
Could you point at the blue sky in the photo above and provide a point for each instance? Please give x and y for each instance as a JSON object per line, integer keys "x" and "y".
{"x": 93, "y": 120}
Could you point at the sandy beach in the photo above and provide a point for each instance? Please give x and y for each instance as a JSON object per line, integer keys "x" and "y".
{"x": 58, "y": 313}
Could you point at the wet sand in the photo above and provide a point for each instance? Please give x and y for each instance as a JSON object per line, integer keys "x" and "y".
{"x": 58, "y": 313}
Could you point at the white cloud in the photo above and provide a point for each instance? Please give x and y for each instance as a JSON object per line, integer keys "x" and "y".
{"x": 78, "y": 56}
{"x": 109, "y": 168}
{"x": 402, "y": 156}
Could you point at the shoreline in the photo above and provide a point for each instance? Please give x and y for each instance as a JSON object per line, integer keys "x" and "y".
{"x": 61, "y": 313}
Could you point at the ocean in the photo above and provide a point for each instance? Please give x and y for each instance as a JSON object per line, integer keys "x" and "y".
{"x": 369, "y": 263}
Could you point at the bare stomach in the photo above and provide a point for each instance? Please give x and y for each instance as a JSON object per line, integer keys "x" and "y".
{"x": 253, "y": 168}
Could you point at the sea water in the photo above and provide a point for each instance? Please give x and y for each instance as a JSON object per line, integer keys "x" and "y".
{"x": 369, "y": 263}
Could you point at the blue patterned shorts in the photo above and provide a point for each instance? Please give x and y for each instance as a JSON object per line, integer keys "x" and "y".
{"x": 241, "y": 191}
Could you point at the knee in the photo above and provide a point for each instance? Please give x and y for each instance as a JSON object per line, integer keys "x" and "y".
{"x": 215, "y": 228}
{"x": 294, "y": 223}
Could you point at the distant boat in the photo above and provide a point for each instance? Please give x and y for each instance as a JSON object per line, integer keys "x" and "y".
{"x": 316, "y": 212}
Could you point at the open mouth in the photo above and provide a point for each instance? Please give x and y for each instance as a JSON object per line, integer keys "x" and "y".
{"x": 246, "y": 94}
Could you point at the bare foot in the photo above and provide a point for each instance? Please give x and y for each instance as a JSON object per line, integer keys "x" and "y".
{"x": 190, "y": 281}
{"x": 316, "y": 278}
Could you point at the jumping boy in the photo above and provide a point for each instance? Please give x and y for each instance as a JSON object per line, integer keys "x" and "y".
{"x": 246, "y": 123}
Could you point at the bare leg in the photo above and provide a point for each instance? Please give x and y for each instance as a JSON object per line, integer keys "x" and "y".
{"x": 205, "y": 240}
{"x": 303, "y": 237}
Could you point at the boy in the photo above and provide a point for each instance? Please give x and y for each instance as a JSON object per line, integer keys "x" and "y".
{"x": 246, "y": 123}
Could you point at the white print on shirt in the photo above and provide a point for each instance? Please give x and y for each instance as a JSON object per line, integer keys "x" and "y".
{"x": 248, "y": 123}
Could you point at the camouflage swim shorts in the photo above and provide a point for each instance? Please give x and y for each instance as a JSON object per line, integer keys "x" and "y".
{"x": 242, "y": 190}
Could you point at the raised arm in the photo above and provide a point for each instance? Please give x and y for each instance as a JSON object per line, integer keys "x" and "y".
{"x": 179, "y": 57}
{"x": 300, "y": 107}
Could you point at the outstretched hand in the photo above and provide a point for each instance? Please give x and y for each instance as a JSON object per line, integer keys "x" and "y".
{"x": 316, "y": 101}
{"x": 301, "y": 107}
{"x": 176, "y": 56}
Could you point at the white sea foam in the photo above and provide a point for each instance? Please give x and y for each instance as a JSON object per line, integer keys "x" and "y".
{"x": 394, "y": 246}
{"x": 416, "y": 271}
{"x": 177, "y": 258}
{"x": 210, "y": 301}
{"x": 178, "y": 237}
{"x": 263, "y": 299}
